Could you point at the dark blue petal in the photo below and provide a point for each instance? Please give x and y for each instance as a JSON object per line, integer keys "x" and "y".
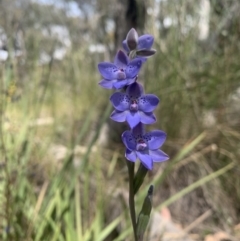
{"x": 108, "y": 70}
{"x": 120, "y": 84}
{"x": 121, "y": 60}
{"x": 155, "y": 139}
{"x": 120, "y": 101}
{"x": 158, "y": 156}
{"x": 135, "y": 90}
{"x": 132, "y": 119}
{"x": 133, "y": 68}
{"x": 138, "y": 130}
{"x": 107, "y": 84}
{"x": 130, "y": 155}
{"x": 129, "y": 140}
{"x": 147, "y": 118}
{"x": 145, "y": 159}
{"x": 124, "y": 44}
{"x": 145, "y": 41}
{"x": 119, "y": 116}
{"x": 147, "y": 103}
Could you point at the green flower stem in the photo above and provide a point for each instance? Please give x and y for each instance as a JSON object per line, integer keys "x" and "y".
{"x": 131, "y": 198}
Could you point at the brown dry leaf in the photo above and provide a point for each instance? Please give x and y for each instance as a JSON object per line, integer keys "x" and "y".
{"x": 219, "y": 236}
{"x": 210, "y": 237}
{"x": 166, "y": 214}
{"x": 164, "y": 229}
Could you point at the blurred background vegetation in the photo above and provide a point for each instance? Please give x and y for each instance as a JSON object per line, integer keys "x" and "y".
{"x": 62, "y": 169}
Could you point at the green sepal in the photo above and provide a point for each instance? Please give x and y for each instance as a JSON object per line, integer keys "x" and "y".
{"x": 132, "y": 54}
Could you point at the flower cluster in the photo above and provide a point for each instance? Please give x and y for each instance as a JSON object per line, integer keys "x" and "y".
{"x": 130, "y": 102}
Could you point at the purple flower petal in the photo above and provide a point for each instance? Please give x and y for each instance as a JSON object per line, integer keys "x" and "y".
{"x": 155, "y": 139}
{"x": 143, "y": 59}
{"x": 107, "y": 84}
{"x": 158, "y": 156}
{"x": 120, "y": 101}
{"x": 121, "y": 83}
{"x": 147, "y": 118}
{"x": 133, "y": 119}
{"x": 133, "y": 68}
{"x": 121, "y": 60}
{"x": 145, "y": 159}
{"x": 138, "y": 130}
{"x": 145, "y": 41}
{"x": 147, "y": 103}
{"x": 129, "y": 140}
{"x": 130, "y": 155}
{"x": 108, "y": 70}
{"x": 119, "y": 116}
{"x": 134, "y": 90}
{"x": 124, "y": 44}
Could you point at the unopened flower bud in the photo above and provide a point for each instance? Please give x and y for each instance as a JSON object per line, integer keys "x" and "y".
{"x": 146, "y": 52}
{"x": 132, "y": 39}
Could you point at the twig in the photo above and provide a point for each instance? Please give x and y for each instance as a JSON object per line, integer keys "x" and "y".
{"x": 197, "y": 221}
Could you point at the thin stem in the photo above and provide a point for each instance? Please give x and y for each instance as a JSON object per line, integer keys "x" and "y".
{"x": 131, "y": 198}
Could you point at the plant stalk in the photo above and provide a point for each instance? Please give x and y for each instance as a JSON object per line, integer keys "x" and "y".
{"x": 131, "y": 198}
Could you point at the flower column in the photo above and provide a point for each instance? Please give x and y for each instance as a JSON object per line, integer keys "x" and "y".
{"x": 136, "y": 108}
